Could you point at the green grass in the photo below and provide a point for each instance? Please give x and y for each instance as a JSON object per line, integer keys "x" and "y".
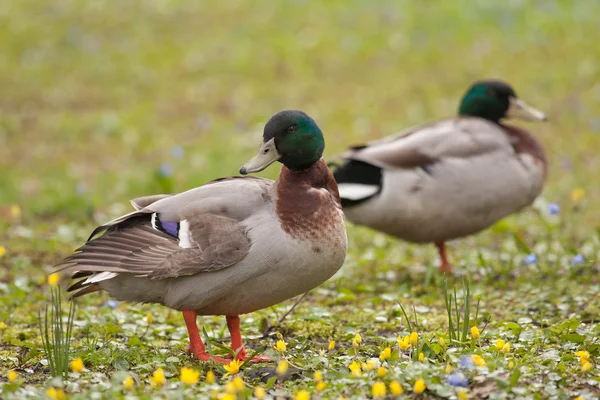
{"x": 96, "y": 95}
{"x": 56, "y": 333}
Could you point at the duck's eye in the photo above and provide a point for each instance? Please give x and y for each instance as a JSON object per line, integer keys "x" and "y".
{"x": 265, "y": 151}
{"x": 292, "y": 129}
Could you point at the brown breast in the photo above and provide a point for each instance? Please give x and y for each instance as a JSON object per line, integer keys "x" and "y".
{"x": 308, "y": 203}
{"x": 525, "y": 142}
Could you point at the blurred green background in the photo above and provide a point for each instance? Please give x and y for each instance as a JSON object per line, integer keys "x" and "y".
{"x": 103, "y": 101}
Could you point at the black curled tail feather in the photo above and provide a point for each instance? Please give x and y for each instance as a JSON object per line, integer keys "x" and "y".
{"x": 358, "y": 172}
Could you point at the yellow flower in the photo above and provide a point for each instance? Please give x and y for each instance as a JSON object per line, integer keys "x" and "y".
{"x": 228, "y": 396}
{"x": 577, "y": 194}
{"x": 396, "y": 388}
{"x": 403, "y": 342}
{"x": 210, "y": 377}
{"x": 233, "y": 367}
{"x": 381, "y": 372}
{"x": 158, "y": 378}
{"x": 462, "y": 395}
{"x": 128, "y": 383}
{"x": 442, "y": 341}
{"x": 511, "y": 364}
{"x": 260, "y": 392}
{"x": 421, "y": 357}
{"x": 2, "y": 325}
{"x": 385, "y": 354}
{"x": 583, "y": 356}
{"x": 318, "y": 376}
{"x": 356, "y": 341}
{"x": 55, "y": 394}
{"x": 475, "y": 332}
{"x": 331, "y": 346}
{"x": 371, "y": 365}
{"x": 2, "y": 251}
{"x": 15, "y": 211}
{"x": 53, "y": 279}
{"x": 355, "y": 369}
{"x": 419, "y": 386}
{"x": 77, "y": 365}
{"x": 378, "y": 390}
{"x": 302, "y": 395}
{"x": 280, "y": 346}
{"x": 586, "y": 366}
{"x": 506, "y": 347}
{"x": 500, "y": 344}
{"x": 578, "y": 398}
{"x": 414, "y": 338}
{"x": 282, "y": 367}
{"x": 478, "y": 360}
{"x": 238, "y": 383}
{"x": 189, "y": 376}
{"x": 321, "y": 386}
{"x": 449, "y": 368}
{"x": 12, "y": 376}
{"x": 230, "y": 387}
{"x": 148, "y": 318}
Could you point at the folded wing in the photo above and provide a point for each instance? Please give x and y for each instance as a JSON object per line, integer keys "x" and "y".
{"x": 196, "y": 231}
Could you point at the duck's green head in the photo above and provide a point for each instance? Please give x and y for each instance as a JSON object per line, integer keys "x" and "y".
{"x": 290, "y": 137}
{"x": 494, "y": 100}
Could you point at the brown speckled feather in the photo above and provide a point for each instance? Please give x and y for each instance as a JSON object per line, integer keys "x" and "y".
{"x": 525, "y": 142}
{"x": 305, "y": 199}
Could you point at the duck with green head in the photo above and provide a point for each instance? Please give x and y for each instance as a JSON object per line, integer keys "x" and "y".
{"x": 230, "y": 247}
{"x": 449, "y": 178}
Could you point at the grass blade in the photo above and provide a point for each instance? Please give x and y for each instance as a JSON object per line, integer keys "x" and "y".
{"x": 406, "y": 317}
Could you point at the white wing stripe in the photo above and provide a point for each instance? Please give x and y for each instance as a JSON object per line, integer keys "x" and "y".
{"x": 356, "y": 191}
{"x": 100, "y": 276}
{"x": 184, "y": 234}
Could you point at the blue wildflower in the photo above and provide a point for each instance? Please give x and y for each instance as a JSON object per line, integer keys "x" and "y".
{"x": 458, "y": 378}
{"x": 553, "y": 209}
{"x": 112, "y": 304}
{"x": 165, "y": 170}
{"x": 177, "y": 152}
{"x": 466, "y": 362}
{"x": 578, "y": 259}
{"x": 530, "y": 259}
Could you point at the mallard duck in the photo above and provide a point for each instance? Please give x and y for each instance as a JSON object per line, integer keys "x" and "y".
{"x": 449, "y": 178}
{"x": 230, "y": 247}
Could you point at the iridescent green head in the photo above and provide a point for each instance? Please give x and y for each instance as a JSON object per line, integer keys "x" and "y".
{"x": 494, "y": 100}
{"x": 290, "y": 137}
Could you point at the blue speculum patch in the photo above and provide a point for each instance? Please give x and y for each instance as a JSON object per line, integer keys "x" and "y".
{"x": 172, "y": 228}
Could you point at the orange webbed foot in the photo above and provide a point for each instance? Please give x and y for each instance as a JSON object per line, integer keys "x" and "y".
{"x": 202, "y": 355}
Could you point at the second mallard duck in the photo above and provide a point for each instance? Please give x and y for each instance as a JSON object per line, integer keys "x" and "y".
{"x": 449, "y": 178}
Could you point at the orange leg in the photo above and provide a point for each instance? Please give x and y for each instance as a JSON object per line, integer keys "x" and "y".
{"x": 233, "y": 324}
{"x": 196, "y": 347}
{"x": 445, "y": 266}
